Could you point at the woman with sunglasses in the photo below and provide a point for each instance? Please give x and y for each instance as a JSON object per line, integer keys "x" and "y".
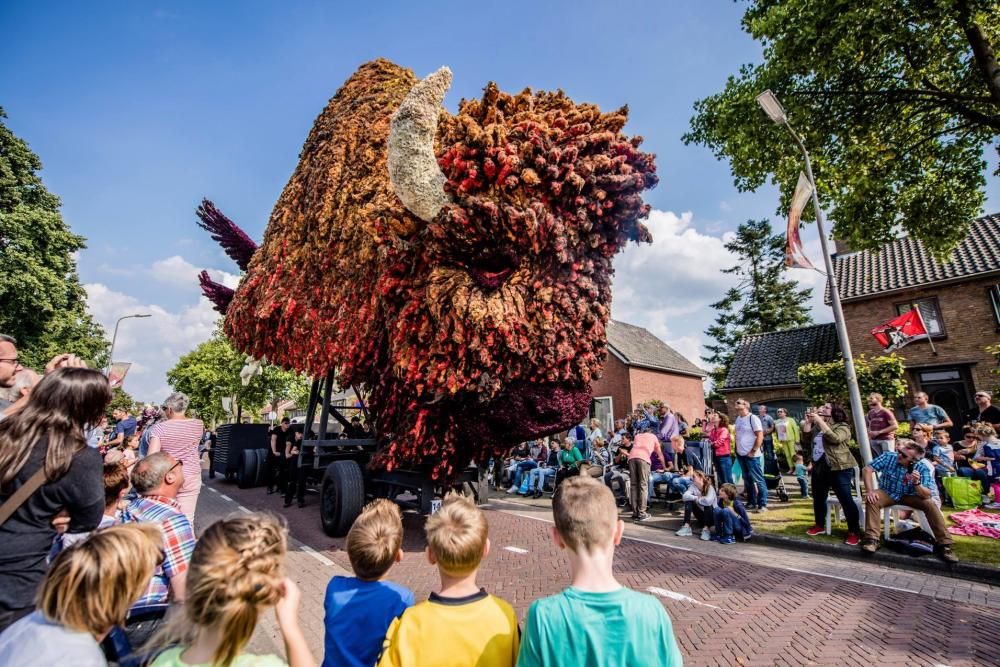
{"x": 48, "y": 435}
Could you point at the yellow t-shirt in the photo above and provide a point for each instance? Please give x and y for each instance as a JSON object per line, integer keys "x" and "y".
{"x": 453, "y": 632}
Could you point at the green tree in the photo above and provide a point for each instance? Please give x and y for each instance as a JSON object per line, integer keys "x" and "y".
{"x": 211, "y": 372}
{"x": 828, "y": 382}
{"x": 762, "y": 300}
{"x": 896, "y": 100}
{"x": 44, "y": 305}
{"x": 123, "y": 400}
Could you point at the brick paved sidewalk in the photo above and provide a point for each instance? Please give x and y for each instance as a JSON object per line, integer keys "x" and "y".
{"x": 731, "y": 605}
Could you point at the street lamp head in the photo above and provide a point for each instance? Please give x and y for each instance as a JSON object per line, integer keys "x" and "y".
{"x": 768, "y": 101}
{"x": 142, "y": 315}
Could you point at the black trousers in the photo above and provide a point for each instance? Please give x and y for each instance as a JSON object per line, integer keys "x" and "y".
{"x": 275, "y": 472}
{"x": 295, "y": 483}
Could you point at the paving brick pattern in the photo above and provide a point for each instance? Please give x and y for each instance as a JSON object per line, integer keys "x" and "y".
{"x": 736, "y": 605}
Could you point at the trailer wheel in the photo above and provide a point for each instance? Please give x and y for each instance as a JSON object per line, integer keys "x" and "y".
{"x": 262, "y": 470}
{"x": 342, "y": 497}
{"x": 246, "y": 473}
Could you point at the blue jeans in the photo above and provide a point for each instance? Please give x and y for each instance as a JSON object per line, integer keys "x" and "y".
{"x": 982, "y": 475}
{"x": 692, "y": 452}
{"x": 521, "y": 468}
{"x": 679, "y": 484}
{"x": 803, "y": 486}
{"x": 769, "y": 447}
{"x": 753, "y": 480}
{"x": 724, "y": 469}
{"x": 537, "y": 477}
{"x": 657, "y": 477}
{"x": 723, "y": 522}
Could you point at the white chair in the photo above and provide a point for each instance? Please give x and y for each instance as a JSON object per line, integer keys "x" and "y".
{"x": 833, "y": 503}
{"x": 890, "y": 514}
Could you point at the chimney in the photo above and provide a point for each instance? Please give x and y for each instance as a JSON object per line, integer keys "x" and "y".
{"x": 841, "y": 247}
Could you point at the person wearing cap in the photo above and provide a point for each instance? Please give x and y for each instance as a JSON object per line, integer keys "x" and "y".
{"x": 984, "y": 412}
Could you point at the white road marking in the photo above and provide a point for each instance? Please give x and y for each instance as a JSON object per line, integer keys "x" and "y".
{"x": 211, "y": 489}
{"x": 317, "y": 555}
{"x": 517, "y": 550}
{"x": 242, "y": 509}
{"x": 225, "y": 497}
{"x": 680, "y": 597}
{"x": 859, "y": 582}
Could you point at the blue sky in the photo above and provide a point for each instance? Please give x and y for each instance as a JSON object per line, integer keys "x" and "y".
{"x": 139, "y": 109}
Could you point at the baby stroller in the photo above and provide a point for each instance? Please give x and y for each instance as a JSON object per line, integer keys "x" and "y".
{"x": 773, "y": 479}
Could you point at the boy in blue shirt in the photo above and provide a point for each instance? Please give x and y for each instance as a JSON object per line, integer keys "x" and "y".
{"x": 359, "y": 609}
{"x": 596, "y": 622}
{"x": 800, "y": 475}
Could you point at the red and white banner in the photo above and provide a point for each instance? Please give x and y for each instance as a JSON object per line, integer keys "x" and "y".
{"x": 795, "y": 256}
{"x": 903, "y": 330}
{"x": 117, "y": 373}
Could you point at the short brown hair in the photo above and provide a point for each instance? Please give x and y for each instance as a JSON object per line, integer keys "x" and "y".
{"x": 92, "y": 584}
{"x": 585, "y": 514}
{"x": 374, "y": 539}
{"x": 115, "y": 481}
{"x": 457, "y": 534}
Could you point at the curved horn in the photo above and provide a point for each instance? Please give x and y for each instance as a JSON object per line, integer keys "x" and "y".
{"x": 413, "y": 169}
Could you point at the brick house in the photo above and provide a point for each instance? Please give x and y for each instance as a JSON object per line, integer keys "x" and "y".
{"x": 641, "y": 367}
{"x": 959, "y": 301}
{"x": 765, "y": 369}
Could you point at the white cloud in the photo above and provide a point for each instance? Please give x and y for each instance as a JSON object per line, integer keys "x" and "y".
{"x": 669, "y": 285}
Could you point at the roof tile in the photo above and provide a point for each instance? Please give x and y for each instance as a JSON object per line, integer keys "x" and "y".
{"x": 773, "y": 359}
{"x": 639, "y": 347}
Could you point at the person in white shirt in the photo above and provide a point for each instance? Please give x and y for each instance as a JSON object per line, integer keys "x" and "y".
{"x": 749, "y": 438}
{"x": 699, "y": 500}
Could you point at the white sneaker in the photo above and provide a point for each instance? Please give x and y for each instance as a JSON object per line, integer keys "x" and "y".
{"x": 512, "y": 489}
{"x": 685, "y": 531}
{"x": 763, "y": 508}
{"x": 706, "y": 534}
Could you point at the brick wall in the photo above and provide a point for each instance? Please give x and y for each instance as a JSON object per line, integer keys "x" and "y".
{"x": 684, "y": 393}
{"x": 614, "y": 382}
{"x": 968, "y": 323}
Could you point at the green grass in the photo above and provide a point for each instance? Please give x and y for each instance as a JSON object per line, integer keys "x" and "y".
{"x": 794, "y": 518}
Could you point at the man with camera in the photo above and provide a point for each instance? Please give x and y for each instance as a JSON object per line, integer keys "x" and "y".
{"x": 902, "y": 482}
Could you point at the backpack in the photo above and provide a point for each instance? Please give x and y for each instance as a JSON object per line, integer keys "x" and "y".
{"x": 913, "y": 542}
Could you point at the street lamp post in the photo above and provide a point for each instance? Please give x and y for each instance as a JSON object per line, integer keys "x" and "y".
{"x": 772, "y": 107}
{"x": 114, "y": 339}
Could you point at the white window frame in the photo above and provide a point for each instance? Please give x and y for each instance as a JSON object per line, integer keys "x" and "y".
{"x": 609, "y": 428}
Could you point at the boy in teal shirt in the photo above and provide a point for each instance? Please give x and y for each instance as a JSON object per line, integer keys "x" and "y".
{"x": 596, "y": 621}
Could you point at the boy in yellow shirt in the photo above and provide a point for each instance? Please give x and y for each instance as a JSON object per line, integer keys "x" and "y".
{"x": 462, "y": 624}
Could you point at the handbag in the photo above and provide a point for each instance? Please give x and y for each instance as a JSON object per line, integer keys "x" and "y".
{"x": 965, "y": 493}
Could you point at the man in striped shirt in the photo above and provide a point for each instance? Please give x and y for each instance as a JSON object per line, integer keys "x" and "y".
{"x": 157, "y": 479}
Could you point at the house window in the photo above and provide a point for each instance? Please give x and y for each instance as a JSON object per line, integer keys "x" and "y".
{"x": 995, "y": 302}
{"x": 930, "y": 311}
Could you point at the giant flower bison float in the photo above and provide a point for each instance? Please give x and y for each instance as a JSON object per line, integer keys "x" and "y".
{"x": 459, "y": 267}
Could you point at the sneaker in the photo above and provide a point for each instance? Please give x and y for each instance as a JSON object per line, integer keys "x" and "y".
{"x": 512, "y": 489}
{"x": 869, "y": 546}
{"x": 762, "y": 508}
{"x": 852, "y": 540}
{"x": 946, "y": 554}
{"x": 747, "y": 537}
{"x": 815, "y": 530}
{"x": 643, "y": 517}
{"x": 716, "y": 538}
{"x": 992, "y": 506}
{"x": 288, "y": 503}
{"x": 684, "y": 531}
{"x": 302, "y": 503}
{"x": 728, "y": 540}
{"x": 706, "y": 535}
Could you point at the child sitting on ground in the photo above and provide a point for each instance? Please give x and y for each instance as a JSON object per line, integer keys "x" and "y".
{"x": 731, "y": 519}
{"x": 699, "y": 500}
{"x": 596, "y": 622}
{"x": 462, "y": 624}
{"x": 800, "y": 475}
{"x": 359, "y": 609}
{"x": 236, "y": 573}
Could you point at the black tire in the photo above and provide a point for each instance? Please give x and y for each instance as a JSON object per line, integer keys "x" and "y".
{"x": 342, "y": 496}
{"x": 246, "y": 473}
{"x": 262, "y": 465}
{"x": 783, "y": 497}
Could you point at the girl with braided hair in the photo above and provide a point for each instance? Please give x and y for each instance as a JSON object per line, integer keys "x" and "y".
{"x": 236, "y": 573}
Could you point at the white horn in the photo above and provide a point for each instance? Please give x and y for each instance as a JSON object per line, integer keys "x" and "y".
{"x": 413, "y": 169}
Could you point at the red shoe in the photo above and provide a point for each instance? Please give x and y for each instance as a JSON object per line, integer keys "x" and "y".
{"x": 852, "y": 540}
{"x": 815, "y": 530}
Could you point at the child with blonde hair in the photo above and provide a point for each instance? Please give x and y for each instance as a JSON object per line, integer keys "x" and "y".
{"x": 236, "y": 573}
{"x": 87, "y": 591}
{"x": 359, "y": 609}
{"x": 462, "y": 624}
{"x": 595, "y": 622}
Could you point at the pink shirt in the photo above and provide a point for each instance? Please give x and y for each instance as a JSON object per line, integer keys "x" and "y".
{"x": 643, "y": 447}
{"x": 180, "y": 438}
{"x": 721, "y": 441}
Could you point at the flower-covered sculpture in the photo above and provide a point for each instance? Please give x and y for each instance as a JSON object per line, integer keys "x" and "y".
{"x": 459, "y": 267}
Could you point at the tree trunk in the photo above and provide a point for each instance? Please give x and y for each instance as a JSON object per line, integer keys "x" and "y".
{"x": 982, "y": 51}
